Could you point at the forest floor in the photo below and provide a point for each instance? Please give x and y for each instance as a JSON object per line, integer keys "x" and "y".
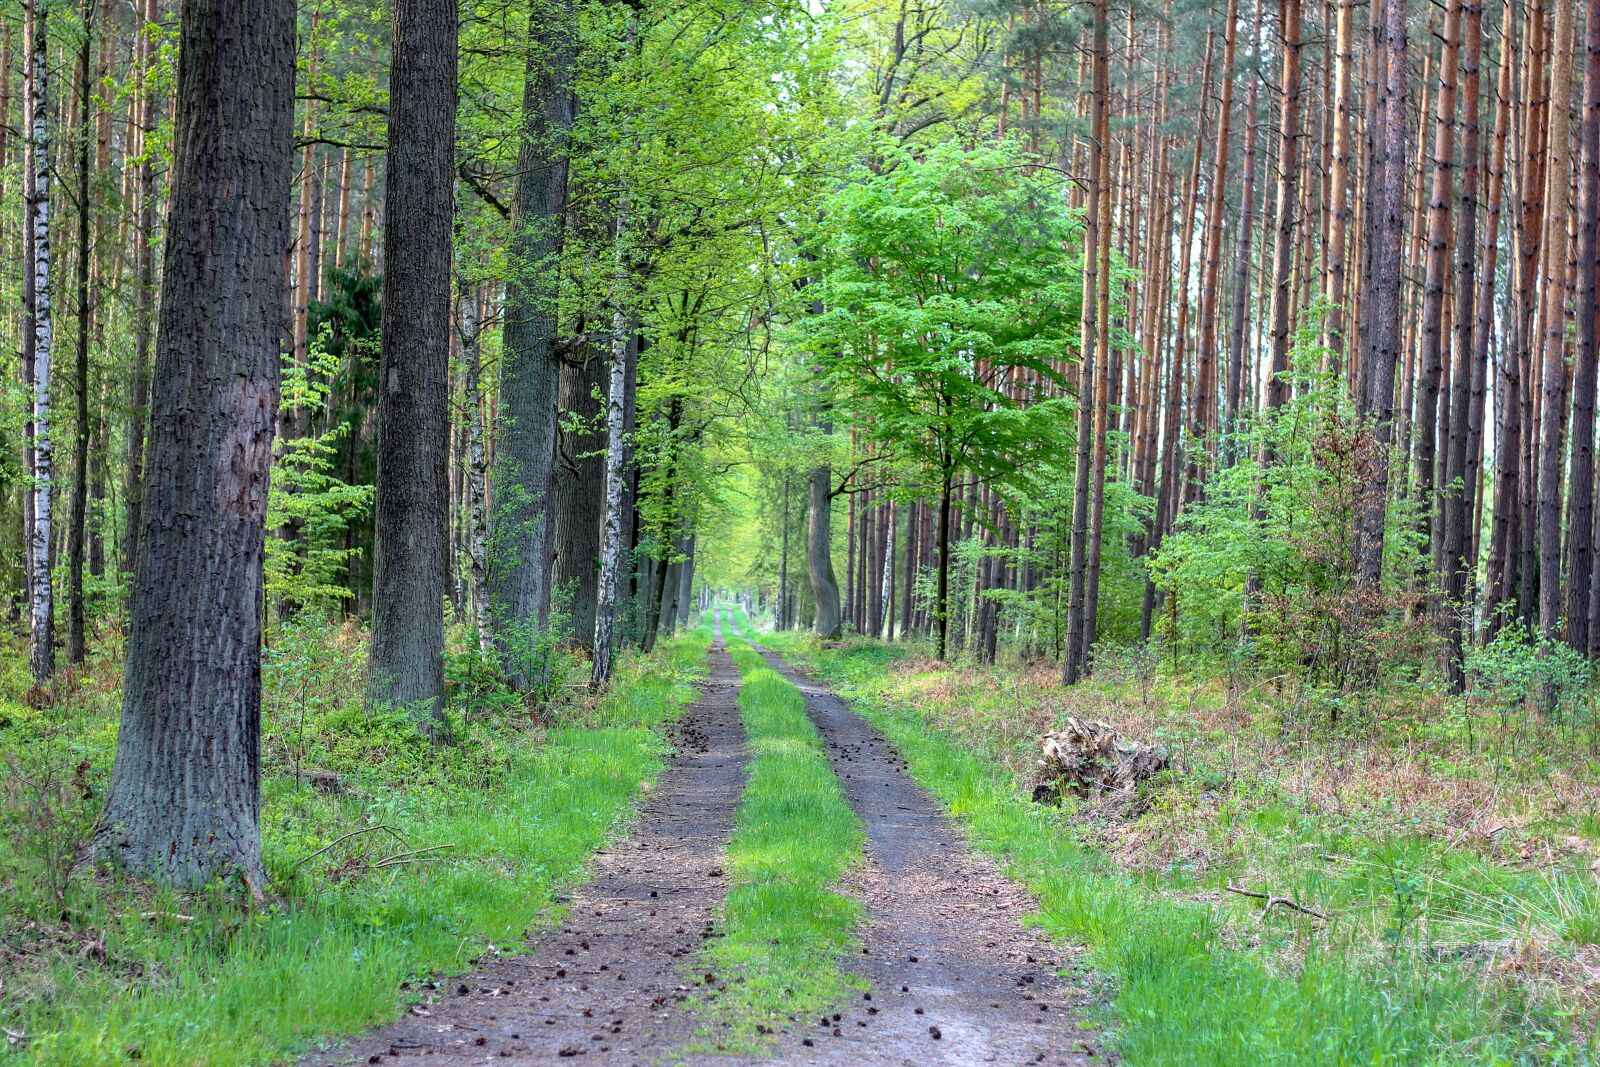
{"x": 946, "y": 973}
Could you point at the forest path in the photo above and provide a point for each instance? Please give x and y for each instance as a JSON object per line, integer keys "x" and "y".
{"x": 954, "y": 975}
{"x": 608, "y": 984}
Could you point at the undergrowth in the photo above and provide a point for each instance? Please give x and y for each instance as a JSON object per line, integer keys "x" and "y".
{"x": 795, "y": 835}
{"x": 1424, "y": 959}
{"x": 391, "y": 859}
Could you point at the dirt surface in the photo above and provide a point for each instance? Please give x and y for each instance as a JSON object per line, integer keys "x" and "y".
{"x": 606, "y": 985}
{"x": 955, "y": 976}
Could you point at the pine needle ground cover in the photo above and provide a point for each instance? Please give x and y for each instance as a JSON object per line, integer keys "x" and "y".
{"x": 391, "y": 859}
{"x": 1430, "y": 954}
{"x": 784, "y": 927}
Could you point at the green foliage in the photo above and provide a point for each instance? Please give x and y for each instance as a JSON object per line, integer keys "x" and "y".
{"x": 947, "y": 296}
{"x": 307, "y": 568}
{"x": 1519, "y": 667}
{"x": 1267, "y": 555}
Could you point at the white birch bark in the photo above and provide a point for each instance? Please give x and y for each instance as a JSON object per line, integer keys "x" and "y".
{"x": 41, "y": 608}
{"x": 888, "y": 575}
{"x": 477, "y": 502}
{"x": 611, "y": 529}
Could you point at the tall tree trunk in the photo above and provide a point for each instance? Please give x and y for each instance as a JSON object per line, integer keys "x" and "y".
{"x": 1506, "y": 452}
{"x": 412, "y": 504}
{"x": 77, "y": 524}
{"x": 1204, "y": 416}
{"x": 941, "y": 604}
{"x": 1553, "y": 386}
{"x": 1456, "y": 499}
{"x": 1383, "y": 234}
{"x": 184, "y": 801}
{"x": 41, "y": 656}
{"x": 147, "y": 109}
{"x": 1277, "y": 387}
{"x": 1580, "y": 535}
{"x": 605, "y": 612}
{"x": 576, "y": 504}
{"x": 1072, "y": 665}
{"x": 1425, "y": 417}
{"x": 1339, "y": 179}
{"x": 1238, "y": 320}
{"x": 525, "y": 444}
{"x": 470, "y": 330}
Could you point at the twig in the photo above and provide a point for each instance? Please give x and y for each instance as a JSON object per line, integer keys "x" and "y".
{"x": 15, "y": 1037}
{"x": 411, "y": 857}
{"x": 1273, "y": 901}
{"x": 345, "y": 837}
{"x": 173, "y": 915}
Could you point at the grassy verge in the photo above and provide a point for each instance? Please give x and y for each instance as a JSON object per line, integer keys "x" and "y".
{"x": 1204, "y": 978}
{"x": 108, "y": 973}
{"x": 784, "y": 929}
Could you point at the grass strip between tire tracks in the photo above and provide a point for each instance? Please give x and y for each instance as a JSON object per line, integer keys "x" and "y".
{"x": 784, "y": 929}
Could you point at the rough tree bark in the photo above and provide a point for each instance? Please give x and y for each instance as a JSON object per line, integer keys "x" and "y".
{"x": 576, "y": 509}
{"x": 1553, "y": 386}
{"x": 1384, "y": 228}
{"x": 1072, "y": 663}
{"x": 1456, "y": 499}
{"x": 411, "y": 510}
{"x": 183, "y": 805}
{"x": 819, "y": 550}
{"x": 1580, "y": 535}
{"x": 1425, "y": 415}
{"x": 519, "y": 585}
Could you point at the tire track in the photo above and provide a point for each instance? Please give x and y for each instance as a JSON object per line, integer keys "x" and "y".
{"x": 955, "y": 976}
{"x": 610, "y": 982}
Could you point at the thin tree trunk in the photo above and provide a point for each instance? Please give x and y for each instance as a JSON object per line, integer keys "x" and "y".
{"x": 1425, "y": 416}
{"x": 1456, "y": 500}
{"x": 605, "y": 615}
{"x": 77, "y": 531}
{"x": 470, "y": 329}
{"x": 1553, "y": 386}
{"x": 1277, "y": 387}
{"x": 1384, "y": 230}
{"x": 1580, "y": 535}
{"x": 1072, "y": 661}
{"x": 1238, "y": 325}
{"x": 147, "y": 108}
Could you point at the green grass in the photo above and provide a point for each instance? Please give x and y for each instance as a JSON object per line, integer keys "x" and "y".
{"x": 1201, "y": 983}
{"x": 345, "y": 945}
{"x": 783, "y": 928}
